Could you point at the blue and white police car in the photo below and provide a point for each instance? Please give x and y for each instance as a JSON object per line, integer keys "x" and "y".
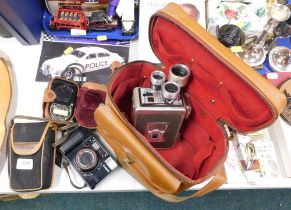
{"x": 79, "y": 61}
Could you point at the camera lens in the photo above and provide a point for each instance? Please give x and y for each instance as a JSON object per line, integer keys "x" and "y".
{"x": 170, "y": 90}
{"x": 157, "y": 76}
{"x": 157, "y": 79}
{"x": 64, "y": 93}
{"x": 86, "y": 159}
{"x": 179, "y": 73}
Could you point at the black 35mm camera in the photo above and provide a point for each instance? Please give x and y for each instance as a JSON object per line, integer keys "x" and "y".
{"x": 158, "y": 112}
{"x": 88, "y": 156}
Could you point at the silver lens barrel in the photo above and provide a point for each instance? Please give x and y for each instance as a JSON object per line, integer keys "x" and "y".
{"x": 179, "y": 73}
{"x": 157, "y": 80}
{"x": 170, "y": 91}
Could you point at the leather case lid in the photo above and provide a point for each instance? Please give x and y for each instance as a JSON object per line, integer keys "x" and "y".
{"x": 89, "y": 97}
{"x": 27, "y": 138}
{"x": 225, "y": 85}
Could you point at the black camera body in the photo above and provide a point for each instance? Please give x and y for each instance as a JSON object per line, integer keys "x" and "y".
{"x": 89, "y": 157}
{"x": 63, "y": 106}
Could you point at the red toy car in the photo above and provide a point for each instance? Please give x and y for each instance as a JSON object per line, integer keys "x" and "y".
{"x": 69, "y": 19}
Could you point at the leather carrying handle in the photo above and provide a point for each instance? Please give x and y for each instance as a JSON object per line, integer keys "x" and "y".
{"x": 107, "y": 122}
{"x": 218, "y": 180}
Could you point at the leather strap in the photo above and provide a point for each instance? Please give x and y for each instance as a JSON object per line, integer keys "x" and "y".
{"x": 66, "y": 133}
{"x": 49, "y": 95}
{"x": 218, "y": 180}
{"x": 65, "y": 165}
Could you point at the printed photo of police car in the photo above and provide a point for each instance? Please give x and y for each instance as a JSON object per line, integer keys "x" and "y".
{"x": 80, "y": 60}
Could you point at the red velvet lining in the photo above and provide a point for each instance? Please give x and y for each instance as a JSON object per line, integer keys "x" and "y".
{"x": 202, "y": 141}
{"x": 182, "y": 48}
{"x": 87, "y": 102}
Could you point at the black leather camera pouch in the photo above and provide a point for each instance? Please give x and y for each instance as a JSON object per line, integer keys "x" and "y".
{"x": 31, "y": 155}
{"x": 59, "y": 100}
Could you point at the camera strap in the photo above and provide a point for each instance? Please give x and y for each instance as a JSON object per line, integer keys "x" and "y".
{"x": 66, "y": 130}
{"x": 65, "y": 164}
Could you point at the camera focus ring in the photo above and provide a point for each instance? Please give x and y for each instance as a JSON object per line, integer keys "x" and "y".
{"x": 180, "y": 74}
{"x": 86, "y": 159}
{"x": 157, "y": 79}
{"x": 170, "y": 90}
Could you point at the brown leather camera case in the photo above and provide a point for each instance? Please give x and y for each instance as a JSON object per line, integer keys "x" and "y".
{"x": 222, "y": 89}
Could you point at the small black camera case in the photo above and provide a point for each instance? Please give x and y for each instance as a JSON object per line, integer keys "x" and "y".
{"x": 60, "y": 96}
{"x": 84, "y": 100}
{"x": 31, "y": 155}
